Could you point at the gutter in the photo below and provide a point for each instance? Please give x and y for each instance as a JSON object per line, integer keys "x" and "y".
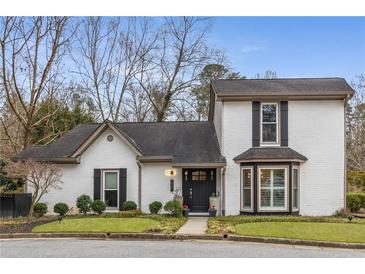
{"x": 59, "y": 160}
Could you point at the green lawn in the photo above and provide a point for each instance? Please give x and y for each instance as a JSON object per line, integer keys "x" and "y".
{"x": 336, "y": 232}
{"x": 100, "y": 225}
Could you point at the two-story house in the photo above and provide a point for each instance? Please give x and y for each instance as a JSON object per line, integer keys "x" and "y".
{"x": 270, "y": 147}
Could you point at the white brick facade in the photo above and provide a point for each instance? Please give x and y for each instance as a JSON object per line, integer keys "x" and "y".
{"x": 315, "y": 129}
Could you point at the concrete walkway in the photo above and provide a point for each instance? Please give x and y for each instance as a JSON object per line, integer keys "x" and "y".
{"x": 195, "y": 226}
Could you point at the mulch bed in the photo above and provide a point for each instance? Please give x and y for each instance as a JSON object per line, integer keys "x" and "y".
{"x": 25, "y": 227}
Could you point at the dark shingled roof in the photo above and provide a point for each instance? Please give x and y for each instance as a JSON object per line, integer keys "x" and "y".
{"x": 283, "y": 87}
{"x": 269, "y": 153}
{"x": 187, "y": 142}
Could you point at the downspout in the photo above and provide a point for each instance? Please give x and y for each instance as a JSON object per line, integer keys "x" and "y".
{"x": 139, "y": 185}
{"x": 345, "y": 153}
{"x": 223, "y": 191}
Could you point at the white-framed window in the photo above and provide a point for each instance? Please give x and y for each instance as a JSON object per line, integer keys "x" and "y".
{"x": 110, "y": 193}
{"x": 269, "y": 123}
{"x": 295, "y": 189}
{"x": 247, "y": 188}
{"x": 273, "y": 188}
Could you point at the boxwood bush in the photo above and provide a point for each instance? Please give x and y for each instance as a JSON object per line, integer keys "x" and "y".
{"x": 174, "y": 208}
{"x": 40, "y": 209}
{"x": 98, "y": 206}
{"x": 355, "y": 201}
{"x": 83, "y": 203}
{"x": 155, "y": 207}
{"x": 129, "y": 205}
{"x": 61, "y": 208}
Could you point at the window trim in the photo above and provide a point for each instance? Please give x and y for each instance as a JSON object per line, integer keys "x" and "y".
{"x": 295, "y": 208}
{"x": 103, "y": 187}
{"x": 286, "y": 190}
{"x": 243, "y": 208}
{"x": 276, "y": 143}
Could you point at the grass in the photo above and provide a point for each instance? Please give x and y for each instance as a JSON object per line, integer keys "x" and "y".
{"x": 227, "y": 224}
{"x": 333, "y": 232}
{"x": 115, "y": 223}
{"x": 99, "y": 225}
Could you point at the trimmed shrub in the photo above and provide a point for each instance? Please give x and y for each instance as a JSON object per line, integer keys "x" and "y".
{"x": 155, "y": 207}
{"x": 355, "y": 181}
{"x": 61, "y": 208}
{"x": 98, "y": 206}
{"x": 83, "y": 203}
{"x": 355, "y": 201}
{"x": 174, "y": 208}
{"x": 40, "y": 209}
{"x": 129, "y": 205}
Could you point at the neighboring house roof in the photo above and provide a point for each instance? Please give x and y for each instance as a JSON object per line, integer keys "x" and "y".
{"x": 182, "y": 142}
{"x": 295, "y": 87}
{"x": 270, "y": 154}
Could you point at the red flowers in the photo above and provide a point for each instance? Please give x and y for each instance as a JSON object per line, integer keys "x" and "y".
{"x": 185, "y": 206}
{"x": 212, "y": 206}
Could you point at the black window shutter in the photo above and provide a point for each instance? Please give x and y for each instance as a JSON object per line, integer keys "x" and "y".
{"x": 284, "y": 123}
{"x": 122, "y": 186}
{"x": 97, "y": 184}
{"x": 255, "y": 124}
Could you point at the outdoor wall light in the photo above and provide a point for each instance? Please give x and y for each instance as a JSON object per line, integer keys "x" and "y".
{"x": 170, "y": 172}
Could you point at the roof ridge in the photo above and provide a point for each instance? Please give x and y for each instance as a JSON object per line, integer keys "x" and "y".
{"x": 163, "y": 122}
{"x": 281, "y": 78}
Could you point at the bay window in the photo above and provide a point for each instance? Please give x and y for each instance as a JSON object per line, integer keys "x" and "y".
{"x": 269, "y": 123}
{"x": 295, "y": 189}
{"x": 247, "y": 191}
{"x": 272, "y": 187}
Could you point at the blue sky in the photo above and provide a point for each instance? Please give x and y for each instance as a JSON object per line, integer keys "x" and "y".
{"x": 293, "y": 46}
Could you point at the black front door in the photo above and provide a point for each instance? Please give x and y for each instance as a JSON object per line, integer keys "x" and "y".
{"x": 198, "y": 185}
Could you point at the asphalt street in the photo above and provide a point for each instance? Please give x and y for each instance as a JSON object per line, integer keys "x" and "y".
{"x": 77, "y": 248}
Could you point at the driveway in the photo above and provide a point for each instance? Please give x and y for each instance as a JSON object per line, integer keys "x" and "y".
{"x": 31, "y": 248}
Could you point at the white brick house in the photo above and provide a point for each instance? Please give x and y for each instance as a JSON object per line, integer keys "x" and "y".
{"x": 270, "y": 147}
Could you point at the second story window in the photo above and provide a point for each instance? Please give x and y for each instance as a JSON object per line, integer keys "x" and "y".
{"x": 269, "y": 123}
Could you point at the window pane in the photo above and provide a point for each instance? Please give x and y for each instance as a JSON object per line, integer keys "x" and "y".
{"x": 279, "y": 198}
{"x": 265, "y": 178}
{"x": 265, "y": 197}
{"x": 111, "y": 180}
{"x": 269, "y": 113}
{"x": 111, "y": 198}
{"x": 199, "y": 176}
{"x": 247, "y": 198}
{"x": 279, "y": 177}
{"x": 296, "y": 178}
{"x": 269, "y": 132}
{"x": 295, "y": 198}
{"x": 246, "y": 178}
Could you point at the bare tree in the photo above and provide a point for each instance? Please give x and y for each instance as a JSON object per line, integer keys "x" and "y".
{"x": 268, "y": 74}
{"x": 355, "y": 121}
{"x": 40, "y": 177}
{"x": 111, "y": 53}
{"x": 178, "y": 59}
{"x": 31, "y": 51}
{"x": 136, "y": 106}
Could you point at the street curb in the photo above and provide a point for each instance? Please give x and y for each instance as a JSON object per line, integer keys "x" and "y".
{"x": 181, "y": 237}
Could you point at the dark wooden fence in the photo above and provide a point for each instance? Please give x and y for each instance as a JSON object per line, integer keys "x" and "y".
{"x": 15, "y": 205}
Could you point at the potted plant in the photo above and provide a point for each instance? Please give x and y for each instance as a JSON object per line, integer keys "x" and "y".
{"x": 214, "y": 201}
{"x": 212, "y": 211}
{"x": 186, "y": 210}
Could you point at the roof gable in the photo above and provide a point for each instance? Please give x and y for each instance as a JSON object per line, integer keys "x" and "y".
{"x": 182, "y": 142}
